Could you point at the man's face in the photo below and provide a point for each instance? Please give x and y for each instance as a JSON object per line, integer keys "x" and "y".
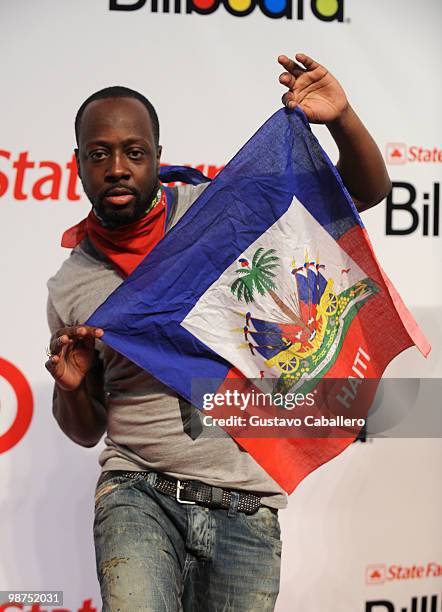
{"x": 118, "y": 159}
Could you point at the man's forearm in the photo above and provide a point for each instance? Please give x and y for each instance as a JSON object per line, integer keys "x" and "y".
{"x": 360, "y": 164}
{"x": 81, "y": 418}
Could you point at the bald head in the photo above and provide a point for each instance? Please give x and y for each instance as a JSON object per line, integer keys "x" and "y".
{"x": 114, "y": 92}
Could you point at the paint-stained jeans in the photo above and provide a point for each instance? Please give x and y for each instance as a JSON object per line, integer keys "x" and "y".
{"x": 158, "y": 555}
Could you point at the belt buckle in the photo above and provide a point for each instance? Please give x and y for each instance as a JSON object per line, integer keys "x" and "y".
{"x": 179, "y": 487}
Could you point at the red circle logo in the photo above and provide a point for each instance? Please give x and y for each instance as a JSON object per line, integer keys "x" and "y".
{"x": 25, "y": 405}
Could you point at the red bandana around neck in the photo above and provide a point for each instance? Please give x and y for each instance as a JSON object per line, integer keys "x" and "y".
{"x": 125, "y": 246}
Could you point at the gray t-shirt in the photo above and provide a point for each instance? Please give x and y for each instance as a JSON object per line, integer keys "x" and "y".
{"x": 148, "y": 427}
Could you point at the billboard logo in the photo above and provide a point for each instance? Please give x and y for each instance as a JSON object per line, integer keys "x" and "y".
{"x": 324, "y": 10}
{"x": 408, "y": 212}
{"x": 423, "y": 603}
{"x": 375, "y": 574}
{"x": 25, "y": 405}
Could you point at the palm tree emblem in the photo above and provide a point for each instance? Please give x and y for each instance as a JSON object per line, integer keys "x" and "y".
{"x": 259, "y": 276}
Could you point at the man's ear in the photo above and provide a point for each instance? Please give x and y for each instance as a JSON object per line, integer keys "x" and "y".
{"x": 77, "y": 159}
{"x": 159, "y": 151}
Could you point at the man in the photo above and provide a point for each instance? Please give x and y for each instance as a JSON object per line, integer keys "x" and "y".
{"x": 182, "y": 521}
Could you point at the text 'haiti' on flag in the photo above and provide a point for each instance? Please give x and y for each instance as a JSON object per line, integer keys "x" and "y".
{"x": 269, "y": 275}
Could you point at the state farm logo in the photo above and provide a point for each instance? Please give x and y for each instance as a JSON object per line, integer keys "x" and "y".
{"x": 87, "y": 606}
{"x": 375, "y": 574}
{"x": 24, "y": 178}
{"x": 398, "y": 153}
{"x": 18, "y": 425}
{"x": 381, "y": 573}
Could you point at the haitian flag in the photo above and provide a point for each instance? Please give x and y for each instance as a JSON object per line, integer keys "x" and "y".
{"x": 270, "y": 274}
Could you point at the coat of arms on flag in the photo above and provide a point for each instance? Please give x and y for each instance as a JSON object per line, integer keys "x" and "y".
{"x": 270, "y": 274}
{"x": 291, "y": 310}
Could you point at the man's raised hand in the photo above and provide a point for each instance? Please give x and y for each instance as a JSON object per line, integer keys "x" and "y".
{"x": 313, "y": 88}
{"x": 72, "y": 354}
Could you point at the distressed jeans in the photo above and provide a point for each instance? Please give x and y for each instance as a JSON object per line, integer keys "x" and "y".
{"x": 158, "y": 555}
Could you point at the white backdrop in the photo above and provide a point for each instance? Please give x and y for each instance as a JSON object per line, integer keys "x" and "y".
{"x": 214, "y": 80}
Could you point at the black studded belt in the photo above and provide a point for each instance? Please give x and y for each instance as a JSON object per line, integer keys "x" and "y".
{"x": 195, "y": 492}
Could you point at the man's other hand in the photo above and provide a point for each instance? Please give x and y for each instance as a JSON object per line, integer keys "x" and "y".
{"x": 72, "y": 354}
{"x": 313, "y": 88}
